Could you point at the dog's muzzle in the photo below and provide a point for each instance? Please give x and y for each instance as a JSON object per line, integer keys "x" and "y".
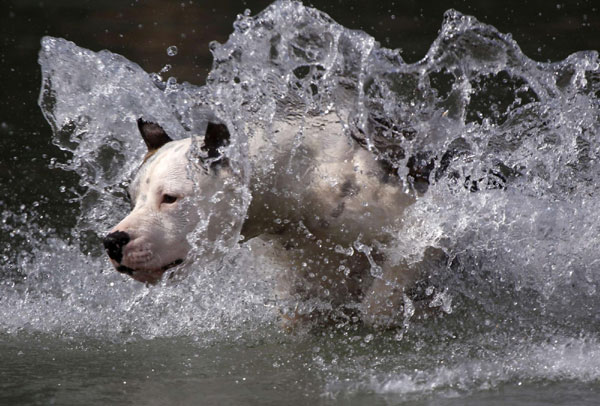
{"x": 114, "y": 243}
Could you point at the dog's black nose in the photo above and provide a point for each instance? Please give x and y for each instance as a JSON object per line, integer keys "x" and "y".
{"x": 114, "y": 243}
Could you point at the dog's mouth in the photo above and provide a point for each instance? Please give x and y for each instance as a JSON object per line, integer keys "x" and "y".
{"x": 149, "y": 276}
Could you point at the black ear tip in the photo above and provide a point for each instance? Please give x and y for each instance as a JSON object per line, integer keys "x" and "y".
{"x": 153, "y": 134}
{"x": 143, "y": 124}
{"x": 216, "y": 136}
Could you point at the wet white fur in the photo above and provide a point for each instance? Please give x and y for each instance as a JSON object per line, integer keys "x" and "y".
{"x": 318, "y": 199}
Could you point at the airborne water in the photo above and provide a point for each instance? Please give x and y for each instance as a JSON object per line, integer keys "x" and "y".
{"x": 511, "y": 147}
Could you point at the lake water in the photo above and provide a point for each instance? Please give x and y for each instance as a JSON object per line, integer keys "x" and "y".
{"x": 510, "y": 314}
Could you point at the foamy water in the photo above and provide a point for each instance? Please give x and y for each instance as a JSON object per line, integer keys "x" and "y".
{"x": 513, "y": 206}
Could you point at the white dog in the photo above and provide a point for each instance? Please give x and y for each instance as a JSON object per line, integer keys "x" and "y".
{"x": 323, "y": 201}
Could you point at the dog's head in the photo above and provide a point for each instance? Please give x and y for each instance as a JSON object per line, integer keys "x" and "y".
{"x": 153, "y": 237}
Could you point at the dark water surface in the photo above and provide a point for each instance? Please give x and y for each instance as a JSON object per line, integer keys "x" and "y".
{"x": 38, "y": 369}
{"x": 72, "y": 331}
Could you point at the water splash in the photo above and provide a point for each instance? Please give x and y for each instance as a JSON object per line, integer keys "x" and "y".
{"x": 505, "y": 227}
{"x": 456, "y": 373}
{"x": 510, "y": 144}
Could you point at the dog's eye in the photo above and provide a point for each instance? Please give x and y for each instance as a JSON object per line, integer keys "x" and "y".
{"x": 169, "y": 199}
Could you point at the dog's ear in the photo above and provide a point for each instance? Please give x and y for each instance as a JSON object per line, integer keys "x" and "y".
{"x": 154, "y": 136}
{"x": 217, "y": 136}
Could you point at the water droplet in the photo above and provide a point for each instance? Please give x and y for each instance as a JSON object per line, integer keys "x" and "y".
{"x": 172, "y": 50}
{"x": 172, "y": 83}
